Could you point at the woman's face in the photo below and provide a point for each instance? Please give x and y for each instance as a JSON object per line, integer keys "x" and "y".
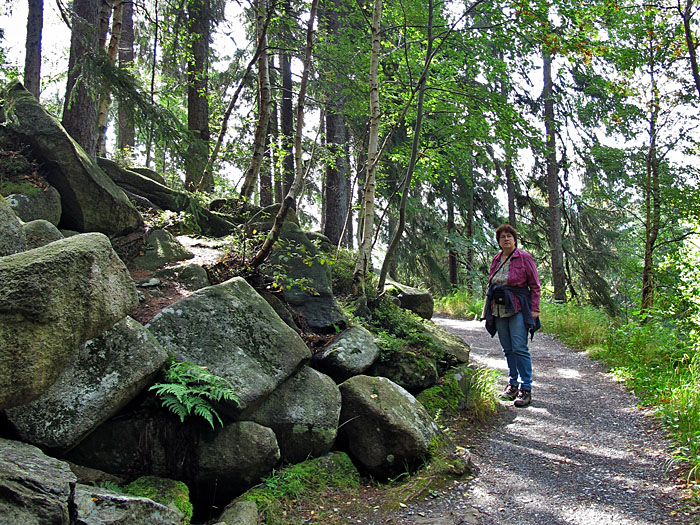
{"x": 506, "y": 241}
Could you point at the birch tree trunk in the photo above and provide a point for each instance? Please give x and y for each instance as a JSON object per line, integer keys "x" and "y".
{"x": 105, "y": 99}
{"x": 364, "y": 254}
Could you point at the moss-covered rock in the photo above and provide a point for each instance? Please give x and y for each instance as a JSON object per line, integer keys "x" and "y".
{"x": 386, "y": 429}
{"x": 52, "y": 300}
{"x": 169, "y": 492}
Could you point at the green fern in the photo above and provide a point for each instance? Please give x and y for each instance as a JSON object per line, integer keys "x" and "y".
{"x": 189, "y": 388}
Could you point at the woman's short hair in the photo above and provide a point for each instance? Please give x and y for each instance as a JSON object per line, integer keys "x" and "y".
{"x": 507, "y": 228}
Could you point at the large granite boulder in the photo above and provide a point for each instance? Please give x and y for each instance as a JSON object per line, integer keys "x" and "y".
{"x": 236, "y": 334}
{"x": 231, "y": 460}
{"x": 408, "y": 369}
{"x": 40, "y": 204}
{"x": 34, "y": 488}
{"x": 40, "y": 232}
{"x": 350, "y": 354}
{"x": 386, "y": 430}
{"x": 304, "y": 414}
{"x": 171, "y": 493}
{"x": 239, "y": 513}
{"x": 220, "y": 462}
{"x": 107, "y": 372}
{"x": 308, "y": 287}
{"x": 417, "y": 301}
{"x": 191, "y": 276}
{"x": 159, "y": 194}
{"x": 52, "y": 300}
{"x": 161, "y": 248}
{"x": 90, "y": 200}
{"x": 453, "y": 347}
{"x": 12, "y": 236}
{"x": 101, "y": 506}
{"x": 148, "y": 172}
{"x": 133, "y": 182}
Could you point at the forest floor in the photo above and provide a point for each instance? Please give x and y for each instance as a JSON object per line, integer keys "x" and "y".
{"x": 582, "y": 453}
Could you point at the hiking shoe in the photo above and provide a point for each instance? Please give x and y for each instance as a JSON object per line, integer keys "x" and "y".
{"x": 523, "y": 398}
{"x": 510, "y": 392}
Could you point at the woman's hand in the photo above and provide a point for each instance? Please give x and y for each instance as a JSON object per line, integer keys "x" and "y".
{"x": 535, "y": 315}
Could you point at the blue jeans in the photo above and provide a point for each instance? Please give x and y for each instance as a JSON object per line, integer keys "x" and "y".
{"x": 512, "y": 334}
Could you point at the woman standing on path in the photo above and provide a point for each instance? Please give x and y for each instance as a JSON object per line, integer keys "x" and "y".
{"x": 512, "y": 308}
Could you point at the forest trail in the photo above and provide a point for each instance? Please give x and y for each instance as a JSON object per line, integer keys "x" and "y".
{"x": 582, "y": 453}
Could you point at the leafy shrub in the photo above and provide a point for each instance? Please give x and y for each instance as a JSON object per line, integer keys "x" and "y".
{"x": 189, "y": 388}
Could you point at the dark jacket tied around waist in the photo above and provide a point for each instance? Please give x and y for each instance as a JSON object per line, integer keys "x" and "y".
{"x": 510, "y": 293}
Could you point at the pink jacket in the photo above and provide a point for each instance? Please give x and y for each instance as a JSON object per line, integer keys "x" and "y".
{"x": 522, "y": 273}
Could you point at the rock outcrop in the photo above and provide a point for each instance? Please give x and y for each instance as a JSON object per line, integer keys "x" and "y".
{"x": 89, "y": 199}
{"x": 107, "y": 372}
{"x": 308, "y": 284}
{"x": 52, "y": 300}
{"x": 40, "y": 232}
{"x": 420, "y": 302}
{"x": 237, "y": 335}
{"x": 34, "y": 488}
{"x": 161, "y": 248}
{"x": 40, "y": 204}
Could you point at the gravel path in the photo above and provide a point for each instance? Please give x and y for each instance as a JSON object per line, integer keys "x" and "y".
{"x": 582, "y": 453}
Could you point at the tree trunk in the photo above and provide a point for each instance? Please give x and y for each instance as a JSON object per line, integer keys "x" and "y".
{"x": 469, "y": 230}
{"x": 406, "y": 186}
{"x": 364, "y": 254}
{"x": 686, "y": 15}
{"x": 652, "y": 199}
{"x": 199, "y": 23}
{"x": 105, "y": 14}
{"x": 32, "y": 60}
{"x": 125, "y": 128}
{"x": 555, "y": 238}
{"x": 265, "y": 177}
{"x": 105, "y": 99}
{"x": 264, "y": 99}
{"x": 510, "y": 191}
{"x": 149, "y": 138}
{"x": 336, "y": 175}
{"x": 275, "y": 153}
{"x": 291, "y": 196}
{"x": 287, "y": 114}
{"x": 451, "y": 254}
{"x": 336, "y": 202}
{"x": 80, "y": 106}
{"x": 348, "y": 234}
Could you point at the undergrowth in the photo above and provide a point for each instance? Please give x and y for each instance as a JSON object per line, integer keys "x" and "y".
{"x": 653, "y": 357}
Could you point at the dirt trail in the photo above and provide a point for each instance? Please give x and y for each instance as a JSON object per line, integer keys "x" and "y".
{"x": 582, "y": 453}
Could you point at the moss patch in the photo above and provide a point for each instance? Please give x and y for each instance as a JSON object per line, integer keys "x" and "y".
{"x": 164, "y": 491}
{"x": 292, "y": 485}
